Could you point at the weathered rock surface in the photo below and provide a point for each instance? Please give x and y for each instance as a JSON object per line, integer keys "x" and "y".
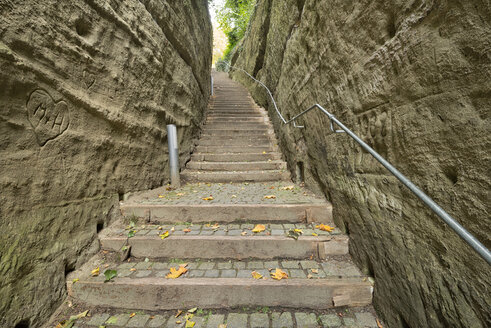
{"x": 86, "y": 89}
{"x": 412, "y": 79}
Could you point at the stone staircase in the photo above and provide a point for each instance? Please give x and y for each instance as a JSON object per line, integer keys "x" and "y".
{"x": 235, "y": 181}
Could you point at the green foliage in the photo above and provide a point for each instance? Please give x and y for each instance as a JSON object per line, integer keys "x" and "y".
{"x": 233, "y": 19}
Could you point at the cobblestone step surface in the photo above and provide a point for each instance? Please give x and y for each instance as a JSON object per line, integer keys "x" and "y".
{"x": 260, "y": 317}
{"x": 221, "y": 284}
{"x": 229, "y": 202}
{"x": 237, "y": 166}
{"x": 250, "y": 157}
{"x": 212, "y": 241}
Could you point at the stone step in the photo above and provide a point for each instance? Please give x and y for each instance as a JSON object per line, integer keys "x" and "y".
{"x": 230, "y": 128}
{"x": 234, "y": 149}
{"x": 196, "y": 213}
{"x": 205, "y": 243}
{"x": 236, "y": 166}
{"x": 218, "y": 119}
{"x": 261, "y": 138}
{"x": 235, "y": 176}
{"x": 147, "y": 288}
{"x": 245, "y": 125}
{"x": 234, "y": 142}
{"x": 237, "y": 132}
{"x": 235, "y": 113}
{"x": 248, "y": 157}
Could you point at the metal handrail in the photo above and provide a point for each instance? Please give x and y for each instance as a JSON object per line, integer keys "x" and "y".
{"x": 449, "y": 220}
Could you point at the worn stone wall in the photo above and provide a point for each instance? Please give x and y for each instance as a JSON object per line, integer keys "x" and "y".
{"x": 412, "y": 78}
{"x": 86, "y": 90}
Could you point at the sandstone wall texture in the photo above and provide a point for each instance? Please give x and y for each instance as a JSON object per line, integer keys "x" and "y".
{"x": 412, "y": 78}
{"x": 86, "y": 90}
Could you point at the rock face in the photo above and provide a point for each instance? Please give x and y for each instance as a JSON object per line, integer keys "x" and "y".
{"x": 412, "y": 79}
{"x": 86, "y": 89}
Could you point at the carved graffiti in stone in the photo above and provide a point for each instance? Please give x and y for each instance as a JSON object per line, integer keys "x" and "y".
{"x": 48, "y": 118}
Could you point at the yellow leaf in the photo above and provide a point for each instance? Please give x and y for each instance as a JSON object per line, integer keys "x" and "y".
{"x": 264, "y": 152}
{"x": 256, "y": 275}
{"x": 324, "y": 227}
{"x": 178, "y": 322}
{"x": 133, "y": 269}
{"x": 299, "y": 231}
{"x": 179, "y": 312}
{"x": 314, "y": 234}
{"x": 95, "y": 272}
{"x": 208, "y": 198}
{"x": 161, "y": 196}
{"x": 234, "y": 196}
{"x": 288, "y": 188}
{"x": 75, "y": 280}
{"x": 174, "y": 274}
{"x": 270, "y": 197}
{"x": 216, "y": 226}
{"x": 315, "y": 270}
{"x": 132, "y": 315}
{"x": 190, "y": 324}
{"x": 259, "y": 228}
{"x": 279, "y": 274}
{"x": 164, "y": 235}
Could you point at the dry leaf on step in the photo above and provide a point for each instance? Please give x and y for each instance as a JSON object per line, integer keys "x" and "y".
{"x": 179, "y": 312}
{"x": 288, "y": 188}
{"x": 132, "y": 315}
{"x": 164, "y": 235}
{"x": 270, "y": 197}
{"x": 243, "y": 233}
{"x": 259, "y": 228}
{"x": 222, "y": 326}
{"x": 174, "y": 274}
{"x": 315, "y": 270}
{"x": 379, "y": 324}
{"x": 208, "y": 198}
{"x": 187, "y": 230}
{"x": 324, "y": 227}
{"x": 256, "y": 275}
{"x": 95, "y": 272}
{"x": 279, "y": 274}
{"x": 179, "y": 194}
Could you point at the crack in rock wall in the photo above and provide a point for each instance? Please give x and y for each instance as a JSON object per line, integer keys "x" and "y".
{"x": 86, "y": 90}
{"x": 412, "y": 79}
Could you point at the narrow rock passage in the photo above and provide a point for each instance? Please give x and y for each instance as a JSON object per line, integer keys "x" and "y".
{"x": 238, "y": 218}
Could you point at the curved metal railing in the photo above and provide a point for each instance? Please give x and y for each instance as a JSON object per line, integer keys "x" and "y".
{"x": 449, "y": 220}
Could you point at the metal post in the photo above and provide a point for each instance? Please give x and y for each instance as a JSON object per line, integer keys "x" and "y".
{"x": 175, "y": 179}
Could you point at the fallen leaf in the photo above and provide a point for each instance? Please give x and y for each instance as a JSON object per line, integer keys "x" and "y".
{"x": 160, "y": 228}
{"x": 279, "y": 274}
{"x": 216, "y": 226}
{"x": 178, "y": 322}
{"x": 132, "y": 315}
{"x": 243, "y": 233}
{"x": 179, "y": 312}
{"x": 288, "y": 188}
{"x": 75, "y": 280}
{"x": 131, "y": 233}
{"x": 208, "y": 198}
{"x": 292, "y": 233}
{"x": 132, "y": 269}
{"x": 110, "y": 274}
{"x": 315, "y": 270}
{"x": 234, "y": 196}
{"x": 186, "y": 230}
{"x": 222, "y": 326}
{"x": 309, "y": 276}
{"x": 298, "y": 231}
{"x": 272, "y": 187}
{"x": 179, "y": 194}
{"x": 106, "y": 266}
{"x": 264, "y": 152}
{"x": 256, "y": 275}
{"x": 164, "y": 235}
{"x": 152, "y": 317}
{"x": 379, "y": 324}
{"x": 95, "y": 272}
{"x": 314, "y": 234}
{"x": 259, "y": 228}
{"x": 161, "y": 196}
{"x": 169, "y": 188}
{"x": 174, "y": 274}
{"x": 190, "y": 324}
{"x": 324, "y": 227}
{"x": 192, "y": 310}
{"x": 270, "y": 197}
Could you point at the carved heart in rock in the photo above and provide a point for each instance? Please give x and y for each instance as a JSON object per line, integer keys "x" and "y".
{"x": 49, "y": 119}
